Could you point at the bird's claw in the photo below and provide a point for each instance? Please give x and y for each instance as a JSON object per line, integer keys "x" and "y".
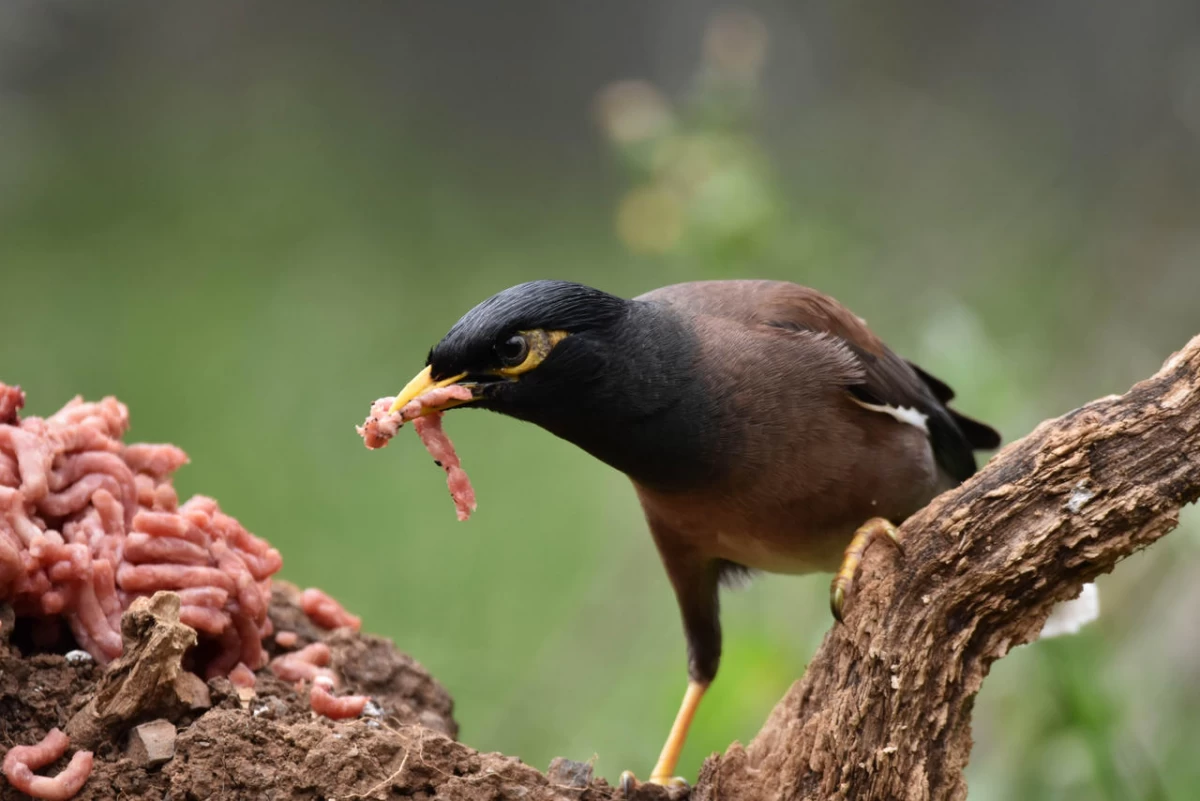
{"x": 843, "y": 581}
{"x": 629, "y": 783}
{"x": 837, "y": 599}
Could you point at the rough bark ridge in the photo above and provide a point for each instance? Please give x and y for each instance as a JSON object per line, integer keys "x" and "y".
{"x": 883, "y": 710}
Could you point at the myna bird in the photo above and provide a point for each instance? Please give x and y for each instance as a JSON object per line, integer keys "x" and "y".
{"x": 763, "y": 425}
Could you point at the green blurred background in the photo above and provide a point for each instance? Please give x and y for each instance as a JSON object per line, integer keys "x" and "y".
{"x": 248, "y": 220}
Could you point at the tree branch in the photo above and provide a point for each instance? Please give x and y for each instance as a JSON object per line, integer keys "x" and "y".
{"x": 883, "y": 710}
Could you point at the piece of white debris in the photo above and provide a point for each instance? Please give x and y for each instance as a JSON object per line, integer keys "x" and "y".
{"x": 1070, "y": 616}
{"x": 1080, "y": 496}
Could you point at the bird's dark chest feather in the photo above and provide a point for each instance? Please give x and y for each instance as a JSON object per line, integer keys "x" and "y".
{"x": 650, "y": 414}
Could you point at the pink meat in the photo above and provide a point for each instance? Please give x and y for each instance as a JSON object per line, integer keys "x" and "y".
{"x": 212, "y": 597}
{"x": 381, "y": 425}
{"x": 108, "y": 416}
{"x": 78, "y": 495}
{"x": 10, "y": 556}
{"x": 324, "y": 703}
{"x": 231, "y": 563}
{"x": 34, "y": 455}
{"x": 242, "y": 676}
{"x": 142, "y": 548}
{"x": 429, "y": 429}
{"x": 77, "y": 438}
{"x": 251, "y": 634}
{"x": 88, "y": 523}
{"x": 73, "y": 468}
{"x": 9, "y": 475}
{"x": 149, "y": 578}
{"x": 54, "y": 602}
{"x": 12, "y": 400}
{"x": 165, "y": 498}
{"x": 110, "y": 512}
{"x": 146, "y": 487}
{"x": 227, "y": 657}
{"x": 22, "y": 760}
{"x": 198, "y": 508}
{"x": 204, "y": 619}
{"x": 159, "y": 461}
{"x": 104, "y": 582}
{"x": 326, "y": 612}
{"x": 163, "y": 524}
{"x": 92, "y": 625}
{"x": 304, "y": 665}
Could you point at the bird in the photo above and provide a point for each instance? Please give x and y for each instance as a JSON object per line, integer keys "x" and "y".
{"x": 763, "y": 425}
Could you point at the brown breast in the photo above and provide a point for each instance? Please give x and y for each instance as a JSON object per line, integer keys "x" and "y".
{"x": 797, "y": 514}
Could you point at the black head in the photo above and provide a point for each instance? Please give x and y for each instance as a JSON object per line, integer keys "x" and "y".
{"x": 614, "y": 376}
{"x": 496, "y": 339}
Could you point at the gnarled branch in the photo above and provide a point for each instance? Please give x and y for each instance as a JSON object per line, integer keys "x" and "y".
{"x": 883, "y": 710}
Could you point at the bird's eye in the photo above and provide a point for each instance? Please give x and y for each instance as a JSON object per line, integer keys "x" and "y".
{"x": 513, "y": 350}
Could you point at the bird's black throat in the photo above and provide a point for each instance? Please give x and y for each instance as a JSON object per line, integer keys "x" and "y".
{"x": 630, "y": 394}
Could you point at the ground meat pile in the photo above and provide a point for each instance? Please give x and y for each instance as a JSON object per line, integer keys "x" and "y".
{"x": 88, "y": 524}
{"x": 382, "y": 424}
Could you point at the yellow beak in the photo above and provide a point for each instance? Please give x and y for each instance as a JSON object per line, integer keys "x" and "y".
{"x": 422, "y": 383}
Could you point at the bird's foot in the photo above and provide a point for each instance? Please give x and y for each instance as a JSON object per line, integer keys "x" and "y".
{"x": 669, "y": 758}
{"x": 843, "y": 581}
{"x": 629, "y": 782}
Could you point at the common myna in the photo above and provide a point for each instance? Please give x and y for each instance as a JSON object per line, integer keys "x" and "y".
{"x": 763, "y": 425}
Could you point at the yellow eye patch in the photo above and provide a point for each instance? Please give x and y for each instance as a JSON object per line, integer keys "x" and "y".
{"x": 540, "y": 344}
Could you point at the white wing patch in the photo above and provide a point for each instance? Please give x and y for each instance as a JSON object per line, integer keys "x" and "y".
{"x": 902, "y": 413}
{"x": 1070, "y": 616}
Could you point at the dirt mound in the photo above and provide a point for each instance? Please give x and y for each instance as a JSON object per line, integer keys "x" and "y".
{"x": 158, "y": 732}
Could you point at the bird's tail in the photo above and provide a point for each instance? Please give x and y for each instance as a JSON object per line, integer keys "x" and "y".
{"x": 1070, "y": 616}
{"x": 981, "y": 436}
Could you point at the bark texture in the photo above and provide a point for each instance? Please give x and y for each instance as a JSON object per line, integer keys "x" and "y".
{"x": 883, "y": 710}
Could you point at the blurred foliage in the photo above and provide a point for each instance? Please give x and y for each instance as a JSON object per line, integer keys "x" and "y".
{"x": 249, "y": 263}
{"x": 702, "y": 181}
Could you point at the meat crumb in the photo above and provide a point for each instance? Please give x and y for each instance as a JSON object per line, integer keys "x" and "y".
{"x": 326, "y": 612}
{"x": 22, "y": 760}
{"x": 287, "y": 639}
{"x": 323, "y": 702}
{"x": 307, "y": 664}
{"x": 242, "y": 676}
{"x": 381, "y": 425}
{"x": 429, "y": 429}
{"x": 12, "y": 399}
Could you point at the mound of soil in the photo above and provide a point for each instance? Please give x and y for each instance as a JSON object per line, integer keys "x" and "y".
{"x": 216, "y": 741}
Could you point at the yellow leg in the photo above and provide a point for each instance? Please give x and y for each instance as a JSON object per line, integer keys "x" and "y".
{"x": 664, "y": 769}
{"x": 868, "y": 532}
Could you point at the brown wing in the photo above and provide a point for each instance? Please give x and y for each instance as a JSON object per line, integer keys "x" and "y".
{"x": 888, "y": 380}
{"x": 778, "y": 303}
